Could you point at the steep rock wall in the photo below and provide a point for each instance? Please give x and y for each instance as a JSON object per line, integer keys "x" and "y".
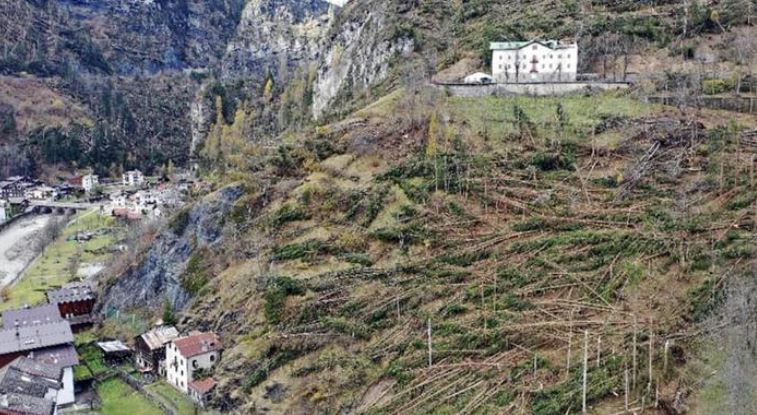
{"x": 158, "y": 275}
{"x": 358, "y": 52}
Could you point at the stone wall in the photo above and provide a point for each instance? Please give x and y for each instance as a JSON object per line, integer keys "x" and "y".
{"x": 530, "y": 89}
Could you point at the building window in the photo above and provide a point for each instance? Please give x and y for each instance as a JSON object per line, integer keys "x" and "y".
{"x": 212, "y": 358}
{"x": 194, "y": 363}
{"x": 533, "y": 47}
{"x": 500, "y": 66}
{"x": 568, "y": 56}
{"x": 550, "y": 56}
{"x": 550, "y": 66}
{"x": 182, "y": 372}
{"x": 559, "y": 56}
{"x": 568, "y": 66}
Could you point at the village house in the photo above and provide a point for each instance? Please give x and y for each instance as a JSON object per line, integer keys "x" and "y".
{"x": 150, "y": 349}
{"x": 133, "y": 178}
{"x": 200, "y": 389}
{"x": 15, "y": 187}
{"x": 41, "y": 192}
{"x": 186, "y": 355}
{"x": 42, "y": 334}
{"x": 89, "y": 182}
{"x": 534, "y": 61}
{"x": 75, "y": 301}
{"x": 29, "y": 387}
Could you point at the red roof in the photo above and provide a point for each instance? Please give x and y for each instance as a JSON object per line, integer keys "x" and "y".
{"x": 197, "y": 344}
{"x": 202, "y": 386}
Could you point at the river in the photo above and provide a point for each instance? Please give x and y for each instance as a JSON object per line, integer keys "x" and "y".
{"x": 18, "y": 247}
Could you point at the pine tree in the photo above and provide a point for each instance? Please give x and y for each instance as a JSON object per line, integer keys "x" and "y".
{"x": 169, "y": 317}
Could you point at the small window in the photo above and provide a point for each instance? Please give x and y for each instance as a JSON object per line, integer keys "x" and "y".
{"x": 559, "y": 56}
{"x": 567, "y": 56}
{"x": 194, "y": 363}
{"x": 212, "y": 358}
{"x": 542, "y": 66}
{"x": 550, "y": 56}
{"x": 182, "y": 373}
{"x": 533, "y": 47}
{"x": 550, "y": 66}
{"x": 568, "y": 66}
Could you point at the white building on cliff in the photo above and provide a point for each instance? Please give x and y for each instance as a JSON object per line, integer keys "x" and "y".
{"x": 534, "y": 61}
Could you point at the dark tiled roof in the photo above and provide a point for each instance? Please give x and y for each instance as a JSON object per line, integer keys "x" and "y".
{"x": 202, "y": 386}
{"x": 37, "y": 368}
{"x": 27, "y": 377}
{"x": 35, "y": 337}
{"x": 59, "y": 356}
{"x": 27, "y": 405}
{"x": 197, "y": 344}
{"x": 71, "y": 293}
{"x": 43, "y": 314}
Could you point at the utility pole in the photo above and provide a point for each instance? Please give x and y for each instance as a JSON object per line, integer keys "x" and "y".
{"x": 430, "y": 361}
{"x": 586, "y": 364}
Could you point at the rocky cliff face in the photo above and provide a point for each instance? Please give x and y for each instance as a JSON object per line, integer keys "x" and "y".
{"x": 122, "y": 36}
{"x": 358, "y": 52}
{"x": 276, "y": 36}
{"x": 158, "y": 277}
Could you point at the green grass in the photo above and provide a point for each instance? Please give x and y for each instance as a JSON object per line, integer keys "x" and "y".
{"x": 118, "y": 398}
{"x": 92, "y": 357}
{"x": 495, "y": 115}
{"x": 52, "y": 268}
{"x": 172, "y": 398}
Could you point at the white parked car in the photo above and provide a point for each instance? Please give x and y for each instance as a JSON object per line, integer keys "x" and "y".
{"x": 479, "y": 78}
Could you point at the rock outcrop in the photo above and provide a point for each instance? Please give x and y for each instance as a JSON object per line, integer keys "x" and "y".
{"x": 358, "y": 52}
{"x": 158, "y": 276}
{"x": 276, "y": 36}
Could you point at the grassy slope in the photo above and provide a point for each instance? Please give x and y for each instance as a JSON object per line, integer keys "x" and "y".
{"x": 512, "y": 242}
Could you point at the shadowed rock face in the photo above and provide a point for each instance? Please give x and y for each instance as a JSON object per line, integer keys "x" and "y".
{"x": 124, "y": 37}
{"x": 158, "y": 276}
{"x": 276, "y": 36}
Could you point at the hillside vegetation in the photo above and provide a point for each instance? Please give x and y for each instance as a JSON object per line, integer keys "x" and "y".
{"x": 415, "y": 252}
{"x": 515, "y": 227}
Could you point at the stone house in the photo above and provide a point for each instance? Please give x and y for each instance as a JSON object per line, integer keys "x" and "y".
{"x": 534, "y": 61}
{"x": 186, "y": 355}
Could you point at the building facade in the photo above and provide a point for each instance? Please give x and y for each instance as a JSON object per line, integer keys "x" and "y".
{"x": 89, "y": 182}
{"x": 133, "y": 178}
{"x": 186, "y": 355}
{"x": 75, "y": 301}
{"x": 5, "y": 208}
{"x": 534, "y": 61}
{"x": 150, "y": 349}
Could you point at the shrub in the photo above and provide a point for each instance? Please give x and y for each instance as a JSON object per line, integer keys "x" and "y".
{"x": 289, "y": 213}
{"x": 276, "y": 293}
{"x": 717, "y": 86}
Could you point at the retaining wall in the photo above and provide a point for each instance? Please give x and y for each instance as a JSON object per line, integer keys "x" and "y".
{"x": 746, "y": 105}
{"x": 530, "y": 89}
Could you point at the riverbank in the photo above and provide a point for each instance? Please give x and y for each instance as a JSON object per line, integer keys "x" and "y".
{"x": 83, "y": 247}
{"x": 19, "y": 246}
